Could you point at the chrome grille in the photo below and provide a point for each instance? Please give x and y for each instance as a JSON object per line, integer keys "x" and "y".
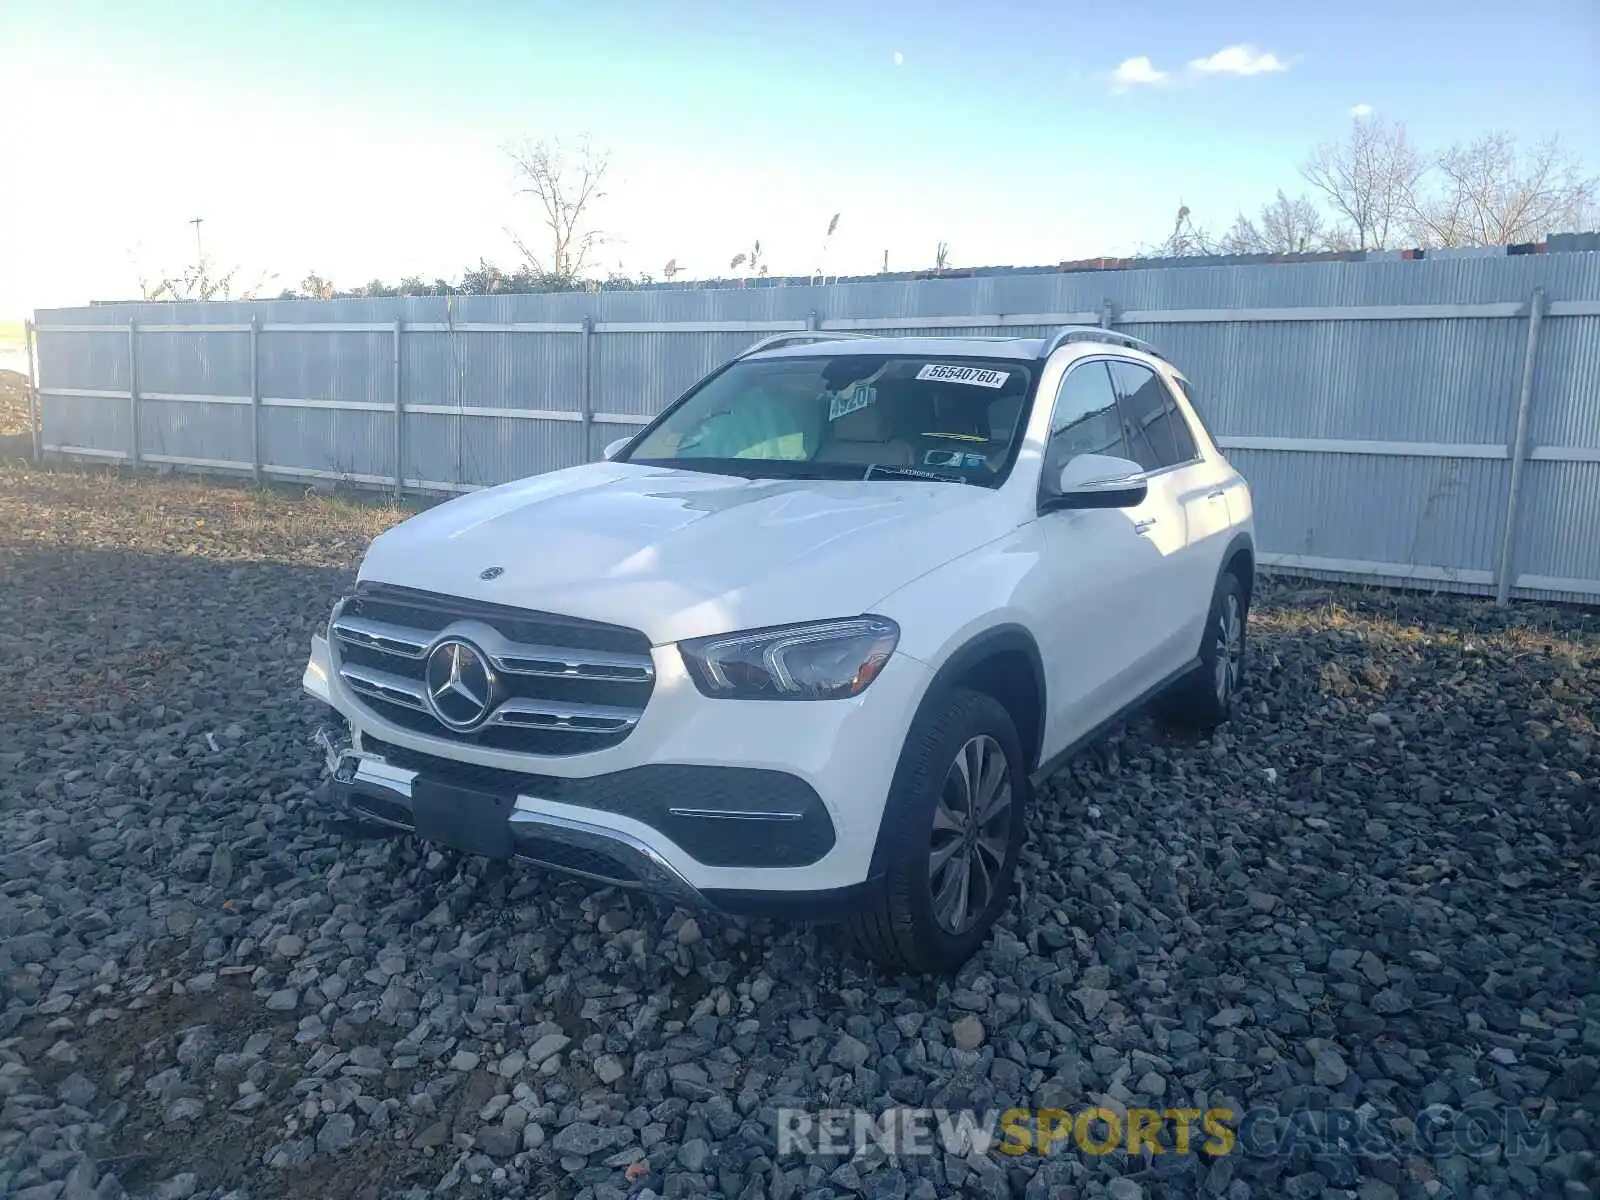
{"x": 562, "y": 685}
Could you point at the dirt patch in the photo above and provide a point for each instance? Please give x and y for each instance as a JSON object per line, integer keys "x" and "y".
{"x": 221, "y": 1149}
{"x": 138, "y": 1056}
{"x": 13, "y": 403}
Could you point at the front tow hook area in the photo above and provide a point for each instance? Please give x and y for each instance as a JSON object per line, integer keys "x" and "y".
{"x": 337, "y": 752}
{"x": 342, "y": 762}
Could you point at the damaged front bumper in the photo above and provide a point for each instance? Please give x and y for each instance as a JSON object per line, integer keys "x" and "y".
{"x": 371, "y": 790}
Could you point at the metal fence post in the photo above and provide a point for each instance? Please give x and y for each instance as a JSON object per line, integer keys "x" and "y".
{"x": 255, "y": 398}
{"x": 133, "y": 392}
{"x": 399, "y": 414}
{"x": 586, "y": 390}
{"x": 35, "y": 405}
{"x": 812, "y": 320}
{"x": 1519, "y": 451}
{"x": 1105, "y": 313}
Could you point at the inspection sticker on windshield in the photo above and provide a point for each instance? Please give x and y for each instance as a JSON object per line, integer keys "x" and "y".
{"x": 845, "y": 403}
{"x": 975, "y": 376}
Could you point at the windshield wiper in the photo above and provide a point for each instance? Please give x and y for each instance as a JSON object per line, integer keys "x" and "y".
{"x": 908, "y": 473}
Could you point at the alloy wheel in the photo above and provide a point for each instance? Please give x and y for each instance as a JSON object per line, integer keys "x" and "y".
{"x": 1229, "y": 647}
{"x": 971, "y": 832}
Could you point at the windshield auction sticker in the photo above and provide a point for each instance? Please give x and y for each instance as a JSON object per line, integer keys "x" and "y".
{"x": 845, "y": 403}
{"x": 974, "y": 376}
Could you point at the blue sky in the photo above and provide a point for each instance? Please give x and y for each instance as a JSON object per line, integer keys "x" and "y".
{"x": 364, "y": 139}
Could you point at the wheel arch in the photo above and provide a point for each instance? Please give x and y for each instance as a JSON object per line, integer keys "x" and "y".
{"x": 1239, "y": 560}
{"x": 1002, "y": 662}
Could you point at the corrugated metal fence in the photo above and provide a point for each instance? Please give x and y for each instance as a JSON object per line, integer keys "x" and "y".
{"x": 1381, "y": 410}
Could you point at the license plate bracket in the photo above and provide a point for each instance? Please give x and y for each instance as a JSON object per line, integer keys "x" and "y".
{"x": 465, "y": 819}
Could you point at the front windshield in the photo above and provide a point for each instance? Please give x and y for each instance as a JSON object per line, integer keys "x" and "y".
{"x": 850, "y": 416}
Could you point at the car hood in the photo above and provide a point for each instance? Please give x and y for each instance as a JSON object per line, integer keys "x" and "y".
{"x": 679, "y": 554}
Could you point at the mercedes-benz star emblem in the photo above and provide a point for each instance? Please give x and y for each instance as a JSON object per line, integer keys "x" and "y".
{"x": 491, "y": 573}
{"x": 460, "y": 684}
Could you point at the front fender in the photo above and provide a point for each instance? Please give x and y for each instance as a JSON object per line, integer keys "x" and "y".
{"x": 978, "y": 605}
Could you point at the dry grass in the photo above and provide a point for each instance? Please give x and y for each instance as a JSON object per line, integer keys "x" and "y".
{"x": 107, "y": 510}
{"x": 13, "y": 403}
{"x": 1462, "y": 623}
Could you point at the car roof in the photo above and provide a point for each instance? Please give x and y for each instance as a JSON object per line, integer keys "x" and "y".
{"x": 1025, "y": 349}
{"x": 933, "y": 347}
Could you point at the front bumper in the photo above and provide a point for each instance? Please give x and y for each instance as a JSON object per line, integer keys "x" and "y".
{"x": 372, "y": 790}
{"x": 702, "y": 802}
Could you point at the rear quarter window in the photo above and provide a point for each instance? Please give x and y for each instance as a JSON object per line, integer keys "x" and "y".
{"x": 1195, "y": 406}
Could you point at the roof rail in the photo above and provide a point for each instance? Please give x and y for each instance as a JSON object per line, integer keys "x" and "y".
{"x": 1094, "y": 333}
{"x": 798, "y": 335}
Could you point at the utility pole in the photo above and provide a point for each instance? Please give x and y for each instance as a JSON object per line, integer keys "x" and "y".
{"x": 199, "y": 252}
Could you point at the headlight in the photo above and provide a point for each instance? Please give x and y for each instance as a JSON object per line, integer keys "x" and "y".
{"x": 828, "y": 660}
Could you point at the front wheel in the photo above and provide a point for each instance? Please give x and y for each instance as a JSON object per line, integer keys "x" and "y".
{"x": 953, "y": 828}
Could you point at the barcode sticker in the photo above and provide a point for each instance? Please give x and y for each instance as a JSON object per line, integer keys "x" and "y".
{"x": 975, "y": 376}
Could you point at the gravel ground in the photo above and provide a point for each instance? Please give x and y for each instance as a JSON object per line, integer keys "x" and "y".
{"x": 1377, "y": 890}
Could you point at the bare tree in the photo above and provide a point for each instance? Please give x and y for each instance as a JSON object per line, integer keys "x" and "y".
{"x": 1283, "y": 226}
{"x": 941, "y": 257}
{"x": 1291, "y": 226}
{"x": 1381, "y": 191}
{"x": 315, "y": 287}
{"x": 1492, "y": 193}
{"x": 1242, "y": 237}
{"x": 196, "y": 282}
{"x": 200, "y": 280}
{"x": 1186, "y": 238}
{"x": 567, "y": 183}
{"x": 1369, "y": 180}
{"x": 203, "y": 282}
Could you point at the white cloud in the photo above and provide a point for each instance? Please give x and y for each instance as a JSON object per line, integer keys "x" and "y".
{"x": 1358, "y": 111}
{"x": 899, "y": 59}
{"x": 1138, "y": 70}
{"x": 1242, "y": 59}
{"x": 1239, "y": 60}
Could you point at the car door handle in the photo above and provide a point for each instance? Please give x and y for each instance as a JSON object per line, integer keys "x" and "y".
{"x": 1144, "y": 525}
{"x": 1219, "y": 494}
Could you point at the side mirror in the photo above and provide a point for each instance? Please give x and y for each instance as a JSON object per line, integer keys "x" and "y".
{"x": 614, "y": 448}
{"x": 1099, "y": 481}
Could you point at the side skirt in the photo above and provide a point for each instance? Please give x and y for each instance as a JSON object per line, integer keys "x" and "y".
{"x": 1122, "y": 714}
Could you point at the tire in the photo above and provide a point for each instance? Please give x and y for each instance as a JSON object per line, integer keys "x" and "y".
{"x": 916, "y": 920}
{"x": 1204, "y": 699}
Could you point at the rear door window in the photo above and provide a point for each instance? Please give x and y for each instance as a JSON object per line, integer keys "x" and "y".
{"x": 1155, "y": 430}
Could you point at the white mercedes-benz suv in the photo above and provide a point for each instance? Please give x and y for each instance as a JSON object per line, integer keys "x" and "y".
{"x": 803, "y": 645}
